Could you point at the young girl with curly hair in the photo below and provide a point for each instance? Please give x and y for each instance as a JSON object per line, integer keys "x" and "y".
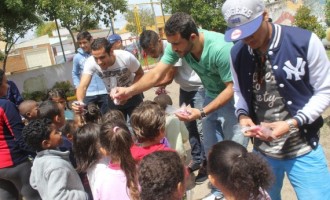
{"x": 239, "y": 174}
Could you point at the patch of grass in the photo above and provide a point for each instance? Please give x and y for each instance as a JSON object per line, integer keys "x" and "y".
{"x": 148, "y": 61}
{"x": 328, "y": 53}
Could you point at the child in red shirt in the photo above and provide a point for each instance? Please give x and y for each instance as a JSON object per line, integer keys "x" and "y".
{"x": 148, "y": 123}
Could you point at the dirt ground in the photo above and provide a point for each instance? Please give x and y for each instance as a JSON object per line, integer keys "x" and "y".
{"x": 200, "y": 191}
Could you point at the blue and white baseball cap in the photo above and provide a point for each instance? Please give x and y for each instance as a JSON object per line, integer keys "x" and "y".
{"x": 243, "y": 18}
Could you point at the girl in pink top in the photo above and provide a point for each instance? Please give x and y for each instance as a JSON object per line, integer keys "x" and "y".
{"x": 120, "y": 179}
{"x": 86, "y": 148}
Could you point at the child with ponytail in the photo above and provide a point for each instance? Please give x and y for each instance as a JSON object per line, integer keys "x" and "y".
{"x": 239, "y": 174}
{"x": 120, "y": 179}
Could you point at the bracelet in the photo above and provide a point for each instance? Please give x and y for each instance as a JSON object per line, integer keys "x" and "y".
{"x": 291, "y": 124}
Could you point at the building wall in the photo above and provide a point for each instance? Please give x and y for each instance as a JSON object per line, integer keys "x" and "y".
{"x": 41, "y": 79}
{"x": 16, "y": 61}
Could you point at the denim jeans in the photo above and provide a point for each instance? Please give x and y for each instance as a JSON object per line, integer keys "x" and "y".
{"x": 100, "y": 100}
{"x": 220, "y": 125}
{"x": 195, "y": 99}
{"x": 308, "y": 174}
{"x": 129, "y": 106}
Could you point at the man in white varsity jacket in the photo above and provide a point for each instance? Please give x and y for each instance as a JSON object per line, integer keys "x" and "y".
{"x": 281, "y": 82}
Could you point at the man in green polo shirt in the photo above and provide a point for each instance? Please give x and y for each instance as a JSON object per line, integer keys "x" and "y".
{"x": 208, "y": 55}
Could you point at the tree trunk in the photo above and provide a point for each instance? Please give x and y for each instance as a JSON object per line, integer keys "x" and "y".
{"x": 6, "y": 56}
{"x": 4, "y": 63}
{"x": 73, "y": 39}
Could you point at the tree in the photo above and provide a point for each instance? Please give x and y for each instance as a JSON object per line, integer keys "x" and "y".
{"x": 145, "y": 19}
{"x": 78, "y": 15}
{"x": 327, "y": 12}
{"x": 2, "y": 56}
{"x": 328, "y": 34}
{"x": 206, "y": 13}
{"x": 46, "y": 28}
{"x": 305, "y": 20}
{"x": 16, "y": 18}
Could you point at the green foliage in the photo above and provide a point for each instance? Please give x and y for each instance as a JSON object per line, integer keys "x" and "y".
{"x": 66, "y": 87}
{"x": 37, "y": 95}
{"x": 81, "y": 14}
{"x": 46, "y": 28}
{"x": 16, "y": 18}
{"x": 206, "y": 13}
{"x": 327, "y": 34}
{"x": 305, "y": 20}
{"x": 145, "y": 17}
{"x": 42, "y": 95}
{"x": 327, "y": 12}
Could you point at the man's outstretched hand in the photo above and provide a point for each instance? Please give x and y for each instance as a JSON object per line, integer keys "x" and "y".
{"x": 120, "y": 94}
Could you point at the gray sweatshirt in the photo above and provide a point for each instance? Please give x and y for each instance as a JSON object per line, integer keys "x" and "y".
{"x": 54, "y": 177}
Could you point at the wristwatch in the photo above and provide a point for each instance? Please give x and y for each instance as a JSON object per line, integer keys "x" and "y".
{"x": 202, "y": 113}
{"x": 291, "y": 124}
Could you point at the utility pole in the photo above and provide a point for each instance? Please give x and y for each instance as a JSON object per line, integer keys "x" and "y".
{"x": 155, "y": 18}
{"x": 161, "y": 7}
{"x": 137, "y": 20}
{"x": 112, "y": 26}
{"x": 59, "y": 36}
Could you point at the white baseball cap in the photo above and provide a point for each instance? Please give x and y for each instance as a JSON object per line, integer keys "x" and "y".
{"x": 243, "y": 18}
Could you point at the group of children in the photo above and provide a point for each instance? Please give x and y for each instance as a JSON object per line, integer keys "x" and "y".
{"x": 99, "y": 157}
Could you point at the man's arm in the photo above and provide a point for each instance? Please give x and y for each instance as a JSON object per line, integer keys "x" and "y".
{"x": 168, "y": 77}
{"x": 223, "y": 98}
{"x": 146, "y": 82}
{"x": 76, "y": 72}
{"x": 82, "y": 88}
{"x": 138, "y": 74}
{"x": 81, "y": 92}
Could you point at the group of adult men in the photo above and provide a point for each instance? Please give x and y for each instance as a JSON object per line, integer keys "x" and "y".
{"x": 273, "y": 76}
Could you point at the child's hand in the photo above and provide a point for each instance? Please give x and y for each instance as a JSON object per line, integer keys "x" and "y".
{"x": 78, "y": 107}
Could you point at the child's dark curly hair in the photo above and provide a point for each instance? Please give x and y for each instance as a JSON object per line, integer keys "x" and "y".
{"x": 93, "y": 114}
{"x": 239, "y": 170}
{"x": 37, "y": 131}
{"x": 159, "y": 174}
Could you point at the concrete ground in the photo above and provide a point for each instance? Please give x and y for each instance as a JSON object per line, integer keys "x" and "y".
{"x": 200, "y": 191}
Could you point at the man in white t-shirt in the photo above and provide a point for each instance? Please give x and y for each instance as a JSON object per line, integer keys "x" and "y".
{"x": 116, "y": 68}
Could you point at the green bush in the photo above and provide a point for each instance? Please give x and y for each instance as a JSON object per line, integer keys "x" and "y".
{"x": 42, "y": 95}
{"x": 66, "y": 87}
{"x": 37, "y": 95}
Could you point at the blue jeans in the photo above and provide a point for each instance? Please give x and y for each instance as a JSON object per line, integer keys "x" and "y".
{"x": 129, "y": 106}
{"x": 308, "y": 174}
{"x": 195, "y": 99}
{"x": 220, "y": 125}
{"x": 101, "y": 101}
